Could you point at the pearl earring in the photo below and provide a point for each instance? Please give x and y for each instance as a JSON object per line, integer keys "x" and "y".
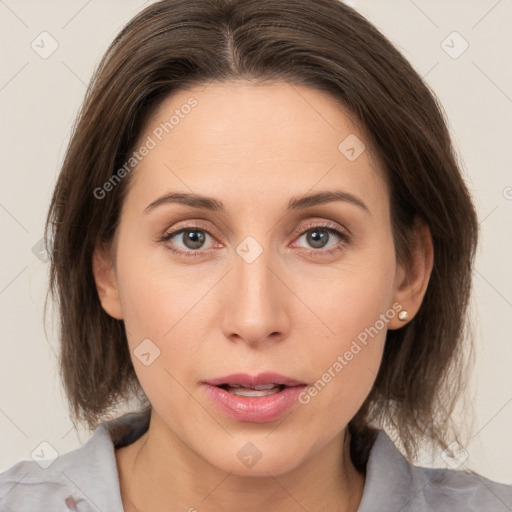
{"x": 402, "y": 315}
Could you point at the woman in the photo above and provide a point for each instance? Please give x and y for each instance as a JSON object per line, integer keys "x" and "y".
{"x": 260, "y": 232}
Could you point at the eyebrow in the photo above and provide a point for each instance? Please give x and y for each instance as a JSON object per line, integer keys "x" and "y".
{"x": 295, "y": 203}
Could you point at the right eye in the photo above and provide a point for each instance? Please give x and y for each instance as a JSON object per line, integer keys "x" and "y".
{"x": 192, "y": 238}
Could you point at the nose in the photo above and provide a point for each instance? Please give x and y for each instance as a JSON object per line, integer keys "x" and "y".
{"x": 257, "y": 304}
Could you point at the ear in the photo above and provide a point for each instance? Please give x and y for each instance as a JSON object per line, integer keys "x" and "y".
{"x": 106, "y": 282}
{"x": 411, "y": 280}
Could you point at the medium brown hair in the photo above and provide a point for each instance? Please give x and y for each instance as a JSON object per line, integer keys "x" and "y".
{"x": 323, "y": 44}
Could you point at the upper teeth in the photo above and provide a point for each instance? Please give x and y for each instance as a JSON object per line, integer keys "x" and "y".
{"x": 263, "y": 390}
{"x": 260, "y": 386}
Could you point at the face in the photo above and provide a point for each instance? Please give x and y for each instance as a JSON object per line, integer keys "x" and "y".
{"x": 256, "y": 279}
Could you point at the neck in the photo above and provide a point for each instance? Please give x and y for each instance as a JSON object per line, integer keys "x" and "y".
{"x": 149, "y": 480}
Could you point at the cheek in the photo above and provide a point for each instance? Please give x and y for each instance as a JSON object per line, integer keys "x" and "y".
{"x": 351, "y": 297}
{"x": 355, "y": 306}
{"x": 343, "y": 367}
{"x": 155, "y": 293}
{"x": 152, "y": 308}
{"x": 157, "y": 308}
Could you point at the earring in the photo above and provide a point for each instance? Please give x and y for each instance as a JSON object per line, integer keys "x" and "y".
{"x": 402, "y": 315}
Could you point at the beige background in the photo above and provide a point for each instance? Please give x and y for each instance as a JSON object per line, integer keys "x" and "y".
{"x": 39, "y": 98}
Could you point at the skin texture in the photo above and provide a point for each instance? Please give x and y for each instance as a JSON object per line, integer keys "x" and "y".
{"x": 293, "y": 310}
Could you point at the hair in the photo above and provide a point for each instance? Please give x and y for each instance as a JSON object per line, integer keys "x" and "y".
{"x": 322, "y": 44}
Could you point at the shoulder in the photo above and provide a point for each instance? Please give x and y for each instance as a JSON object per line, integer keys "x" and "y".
{"x": 464, "y": 490}
{"x": 84, "y": 479}
{"x": 392, "y": 484}
{"x": 68, "y": 481}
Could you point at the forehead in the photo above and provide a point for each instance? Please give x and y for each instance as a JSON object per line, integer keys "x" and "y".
{"x": 261, "y": 118}
{"x": 254, "y": 138}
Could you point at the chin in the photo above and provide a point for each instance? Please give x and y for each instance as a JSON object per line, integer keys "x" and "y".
{"x": 256, "y": 458}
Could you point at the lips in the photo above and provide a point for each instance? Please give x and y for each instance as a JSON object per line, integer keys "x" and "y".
{"x": 261, "y": 398}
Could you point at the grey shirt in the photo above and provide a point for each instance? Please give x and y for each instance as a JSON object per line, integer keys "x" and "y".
{"x": 86, "y": 480}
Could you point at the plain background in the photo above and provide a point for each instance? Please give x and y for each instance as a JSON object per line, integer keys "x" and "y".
{"x": 40, "y": 97}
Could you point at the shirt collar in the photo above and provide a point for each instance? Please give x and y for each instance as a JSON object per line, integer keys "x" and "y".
{"x": 392, "y": 483}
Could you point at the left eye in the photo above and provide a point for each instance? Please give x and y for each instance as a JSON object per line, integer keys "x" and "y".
{"x": 318, "y": 237}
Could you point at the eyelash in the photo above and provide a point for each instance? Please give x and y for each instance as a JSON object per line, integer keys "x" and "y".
{"x": 345, "y": 239}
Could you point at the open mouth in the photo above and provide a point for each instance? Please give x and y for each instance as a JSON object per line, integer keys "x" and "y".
{"x": 261, "y": 390}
